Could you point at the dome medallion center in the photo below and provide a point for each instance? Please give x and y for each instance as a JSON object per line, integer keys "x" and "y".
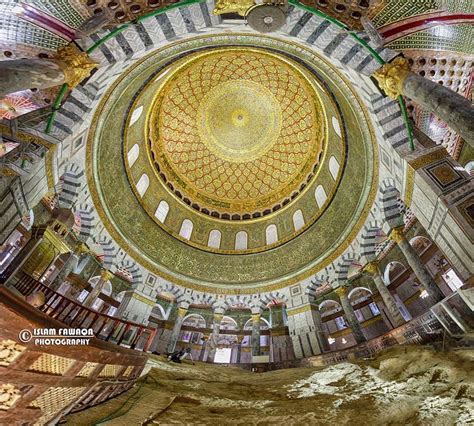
{"x": 239, "y": 120}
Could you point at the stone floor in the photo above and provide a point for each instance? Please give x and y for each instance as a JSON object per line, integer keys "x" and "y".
{"x": 404, "y": 386}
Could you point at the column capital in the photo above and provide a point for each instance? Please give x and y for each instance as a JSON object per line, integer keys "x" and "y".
{"x": 372, "y": 268}
{"x": 217, "y": 316}
{"x": 182, "y": 311}
{"x": 392, "y": 76}
{"x": 106, "y": 275}
{"x": 256, "y": 317}
{"x": 81, "y": 249}
{"x": 75, "y": 64}
{"x": 341, "y": 291}
{"x": 397, "y": 234}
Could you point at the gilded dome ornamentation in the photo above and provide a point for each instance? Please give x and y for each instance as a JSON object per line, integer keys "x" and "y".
{"x": 237, "y": 131}
{"x": 154, "y": 206}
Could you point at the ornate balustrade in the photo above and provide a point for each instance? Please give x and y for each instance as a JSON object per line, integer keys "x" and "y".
{"x": 421, "y": 330}
{"x": 41, "y": 383}
{"x": 72, "y": 314}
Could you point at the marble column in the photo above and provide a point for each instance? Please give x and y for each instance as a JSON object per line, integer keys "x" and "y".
{"x": 105, "y": 276}
{"x": 69, "y": 65}
{"x": 350, "y": 314}
{"x": 457, "y": 111}
{"x": 216, "y": 324}
{"x": 318, "y": 324}
{"x": 204, "y": 341}
{"x": 388, "y": 300}
{"x": 20, "y": 259}
{"x": 239, "y": 348}
{"x": 182, "y": 309}
{"x": 426, "y": 281}
{"x": 255, "y": 338}
{"x": 69, "y": 266}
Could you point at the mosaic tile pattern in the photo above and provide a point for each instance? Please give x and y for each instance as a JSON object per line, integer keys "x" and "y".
{"x": 456, "y": 38}
{"x": 16, "y": 30}
{"x": 395, "y": 10}
{"x": 62, "y": 10}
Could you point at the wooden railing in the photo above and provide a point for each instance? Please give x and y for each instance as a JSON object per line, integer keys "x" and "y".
{"x": 421, "y": 330}
{"x": 40, "y": 382}
{"x": 73, "y": 314}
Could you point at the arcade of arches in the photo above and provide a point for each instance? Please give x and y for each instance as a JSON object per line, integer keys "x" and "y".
{"x": 269, "y": 185}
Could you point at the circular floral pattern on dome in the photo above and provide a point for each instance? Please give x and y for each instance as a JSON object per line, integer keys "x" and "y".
{"x": 237, "y": 132}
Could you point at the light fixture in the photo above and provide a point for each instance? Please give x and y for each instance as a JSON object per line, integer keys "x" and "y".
{"x": 331, "y": 340}
{"x": 344, "y": 341}
{"x": 424, "y": 294}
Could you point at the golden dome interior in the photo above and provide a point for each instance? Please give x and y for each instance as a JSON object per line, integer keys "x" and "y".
{"x": 237, "y": 130}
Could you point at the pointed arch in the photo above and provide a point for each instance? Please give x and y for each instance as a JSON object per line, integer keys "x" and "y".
{"x": 72, "y": 181}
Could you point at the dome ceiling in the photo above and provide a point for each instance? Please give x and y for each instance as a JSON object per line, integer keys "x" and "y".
{"x": 237, "y": 131}
{"x": 246, "y": 162}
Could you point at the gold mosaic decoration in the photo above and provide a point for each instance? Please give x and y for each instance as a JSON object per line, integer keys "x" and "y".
{"x": 54, "y": 400}
{"x": 218, "y": 279}
{"x": 237, "y": 130}
{"x": 110, "y": 370}
{"x": 51, "y": 364}
{"x": 87, "y": 369}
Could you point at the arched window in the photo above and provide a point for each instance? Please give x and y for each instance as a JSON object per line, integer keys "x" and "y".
{"x": 333, "y": 167}
{"x": 136, "y": 115}
{"x": 392, "y": 271}
{"x": 336, "y": 126}
{"x": 298, "y": 220}
{"x": 186, "y": 229}
{"x": 271, "y": 234}
{"x": 241, "y": 240}
{"x": 142, "y": 184}
{"x": 162, "y": 211}
{"x": 469, "y": 167}
{"x": 214, "y": 240}
{"x": 320, "y": 195}
{"x": 133, "y": 154}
